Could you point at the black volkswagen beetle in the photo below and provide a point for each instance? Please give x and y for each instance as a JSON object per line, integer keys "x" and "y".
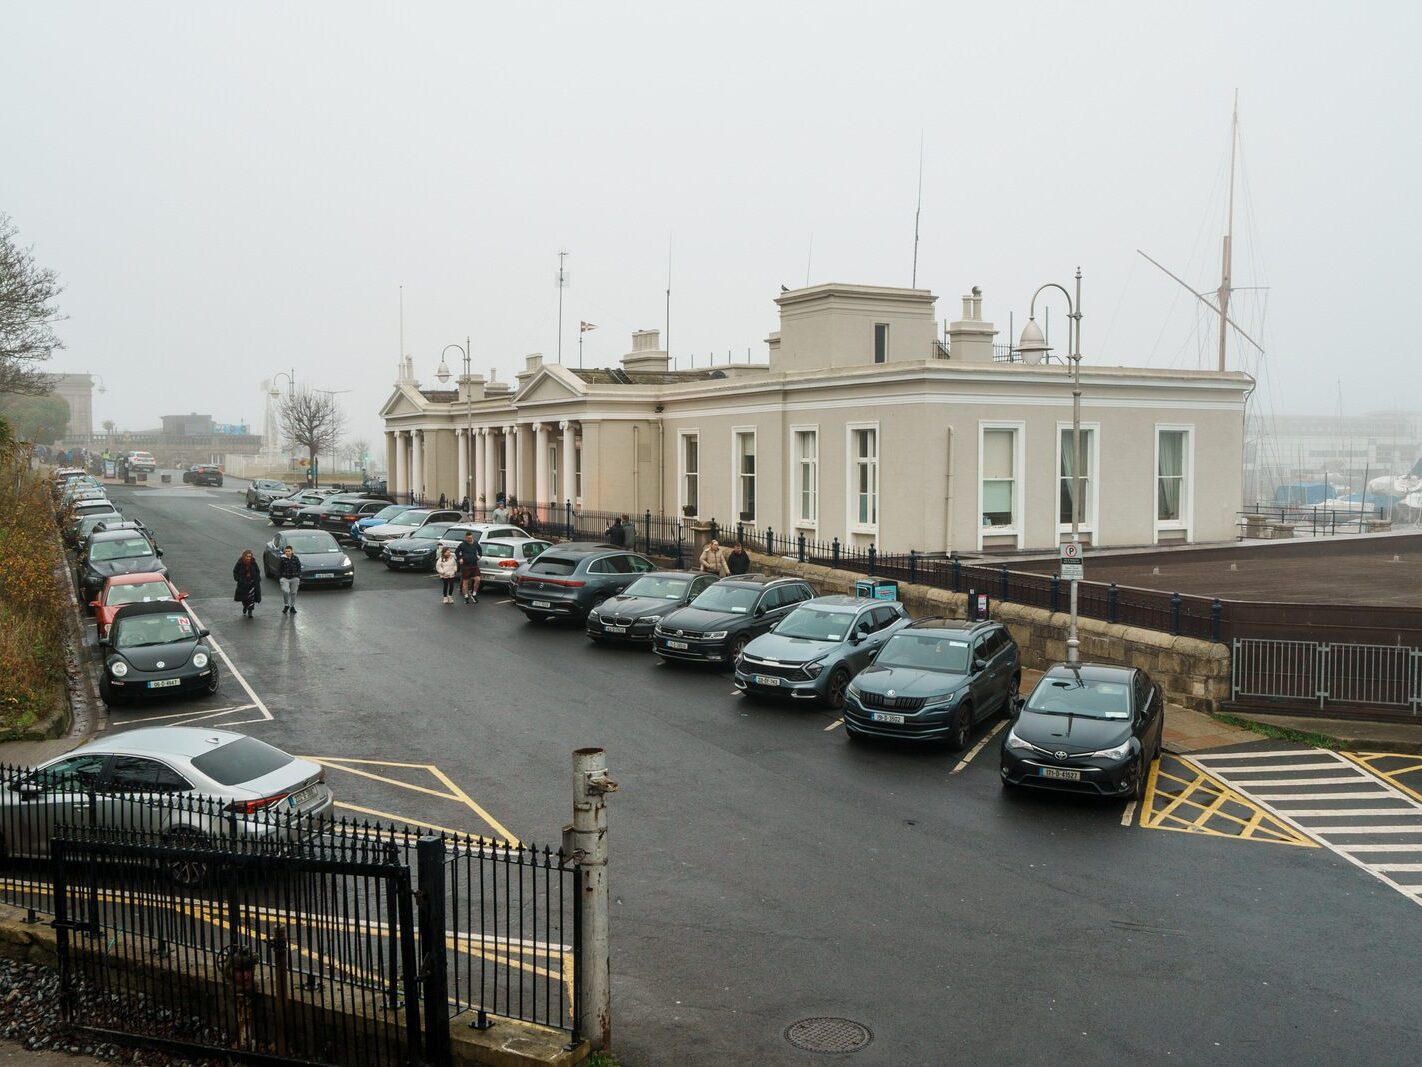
{"x": 631, "y": 614}
{"x": 323, "y": 560}
{"x": 152, "y": 647}
{"x": 1088, "y": 728}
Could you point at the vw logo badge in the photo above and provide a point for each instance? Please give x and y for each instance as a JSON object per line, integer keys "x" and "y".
{"x": 1060, "y": 755}
{"x": 891, "y": 693}
{"x": 161, "y": 663}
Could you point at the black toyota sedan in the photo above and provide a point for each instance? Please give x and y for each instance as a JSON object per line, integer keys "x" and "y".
{"x": 153, "y": 647}
{"x": 111, "y": 552}
{"x": 717, "y": 625}
{"x": 1088, "y": 728}
{"x": 934, "y": 681}
{"x": 323, "y": 560}
{"x": 631, "y": 614}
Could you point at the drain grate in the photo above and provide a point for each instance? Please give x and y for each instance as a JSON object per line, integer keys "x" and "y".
{"x": 830, "y": 1035}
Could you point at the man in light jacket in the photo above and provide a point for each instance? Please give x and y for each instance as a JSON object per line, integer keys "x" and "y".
{"x": 713, "y": 560}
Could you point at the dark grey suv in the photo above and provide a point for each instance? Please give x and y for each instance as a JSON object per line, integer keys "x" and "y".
{"x": 718, "y": 624}
{"x": 934, "y": 680}
{"x": 568, "y": 581}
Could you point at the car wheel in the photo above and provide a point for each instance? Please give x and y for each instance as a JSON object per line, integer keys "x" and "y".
{"x": 1142, "y": 779}
{"x": 738, "y": 645}
{"x": 188, "y": 871}
{"x": 110, "y": 696}
{"x": 249, "y": 505}
{"x": 958, "y": 739}
{"x": 834, "y": 690}
{"x": 212, "y": 685}
{"x": 1014, "y": 693}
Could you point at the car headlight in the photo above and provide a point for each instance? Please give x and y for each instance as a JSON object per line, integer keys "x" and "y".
{"x": 813, "y": 670}
{"x": 1121, "y": 751}
{"x": 1016, "y": 743}
{"x": 345, "y": 561}
{"x": 118, "y": 668}
{"x": 594, "y": 614}
{"x": 655, "y": 620}
{"x": 199, "y": 659}
{"x": 717, "y": 635}
{"x": 658, "y": 628}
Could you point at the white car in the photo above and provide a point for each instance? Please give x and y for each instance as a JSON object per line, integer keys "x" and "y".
{"x": 454, "y": 536}
{"x": 142, "y": 461}
{"x": 373, "y": 539}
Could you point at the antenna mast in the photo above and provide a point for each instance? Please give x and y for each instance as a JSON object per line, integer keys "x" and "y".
{"x": 918, "y": 209}
{"x": 562, "y": 284}
{"x": 1225, "y": 266}
{"x": 666, "y": 340}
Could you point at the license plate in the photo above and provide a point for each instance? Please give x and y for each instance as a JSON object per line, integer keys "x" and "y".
{"x": 682, "y": 645}
{"x": 615, "y": 629}
{"x": 322, "y": 574}
{"x": 542, "y": 604}
{"x": 886, "y": 716}
{"x": 764, "y": 679}
{"x": 164, "y": 683}
{"x": 1059, "y": 773}
{"x": 299, "y": 798}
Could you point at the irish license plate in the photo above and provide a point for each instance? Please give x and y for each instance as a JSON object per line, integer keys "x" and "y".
{"x": 681, "y": 645}
{"x": 886, "y": 716}
{"x": 322, "y": 574}
{"x": 164, "y": 683}
{"x": 764, "y": 679}
{"x": 300, "y": 797}
{"x": 1059, "y": 773}
{"x": 542, "y": 604}
{"x": 615, "y": 629}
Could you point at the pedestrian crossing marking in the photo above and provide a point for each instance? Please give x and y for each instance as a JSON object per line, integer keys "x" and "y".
{"x": 1190, "y": 800}
{"x": 1392, "y": 767}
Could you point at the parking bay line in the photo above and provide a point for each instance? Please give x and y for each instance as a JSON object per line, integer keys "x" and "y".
{"x": 240, "y": 514}
{"x": 979, "y": 746}
{"x": 831, "y": 726}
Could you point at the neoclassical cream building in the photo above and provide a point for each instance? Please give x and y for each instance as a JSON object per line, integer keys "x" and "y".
{"x": 864, "y": 424}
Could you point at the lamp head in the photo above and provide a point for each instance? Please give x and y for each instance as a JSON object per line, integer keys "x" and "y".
{"x": 1033, "y": 346}
{"x": 443, "y": 373}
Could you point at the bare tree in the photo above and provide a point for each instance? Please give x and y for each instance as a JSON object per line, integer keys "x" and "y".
{"x": 312, "y": 420}
{"x": 27, "y": 317}
{"x": 355, "y": 451}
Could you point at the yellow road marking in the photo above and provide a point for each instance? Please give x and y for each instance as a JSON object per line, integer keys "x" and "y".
{"x": 1186, "y": 814}
{"x": 367, "y": 762}
{"x": 389, "y": 781}
{"x": 469, "y": 801}
{"x": 1364, "y": 760}
{"x": 401, "y": 819}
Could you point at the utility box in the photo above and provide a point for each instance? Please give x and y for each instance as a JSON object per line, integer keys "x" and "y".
{"x": 876, "y": 589}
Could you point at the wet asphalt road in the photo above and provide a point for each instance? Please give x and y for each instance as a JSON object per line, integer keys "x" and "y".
{"x": 764, "y": 870}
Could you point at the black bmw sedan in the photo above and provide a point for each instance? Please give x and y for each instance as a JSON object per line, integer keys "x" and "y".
{"x": 155, "y": 646}
{"x": 1087, "y": 728}
{"x": 631, "y": 614}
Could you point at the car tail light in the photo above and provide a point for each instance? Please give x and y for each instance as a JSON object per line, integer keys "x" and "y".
{"x": 249, "y": 807}
{"x": 508, "y": 563}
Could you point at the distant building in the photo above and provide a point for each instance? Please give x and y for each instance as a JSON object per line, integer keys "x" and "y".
{"x": 77, "y": 390}
{"x": 1343, "y": 451}
{"x": 863, "y": 426}
{"x": 182, "y": 440}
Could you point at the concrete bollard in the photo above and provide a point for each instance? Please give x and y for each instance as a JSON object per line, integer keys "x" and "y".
{"x": 589, "y": 839}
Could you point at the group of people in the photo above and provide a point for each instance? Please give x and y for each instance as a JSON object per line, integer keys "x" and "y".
{"x": 247, "y": 573}
{"x": 621, "y": 531}
{"x": 717, "y": 560}
{"x": 459, "y": 565}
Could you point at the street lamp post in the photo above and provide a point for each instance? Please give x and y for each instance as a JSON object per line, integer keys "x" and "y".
{"x": 1033, "y": 342}
{"x": 443, "y": 375}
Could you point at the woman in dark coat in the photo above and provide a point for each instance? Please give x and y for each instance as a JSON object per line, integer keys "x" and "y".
{"x": 248, "y": 576}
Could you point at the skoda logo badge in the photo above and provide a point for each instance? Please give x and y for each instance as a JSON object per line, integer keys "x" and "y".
{"x": 891, "y": 692}
{"x": 1060, "y": 755}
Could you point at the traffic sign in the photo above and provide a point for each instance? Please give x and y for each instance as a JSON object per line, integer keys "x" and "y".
{"x": 1073, "y": 562}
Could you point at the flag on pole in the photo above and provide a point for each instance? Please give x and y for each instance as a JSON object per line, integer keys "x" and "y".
{"x": 584, "y": 327}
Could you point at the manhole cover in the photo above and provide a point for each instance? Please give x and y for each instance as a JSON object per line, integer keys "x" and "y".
{"x": 831, "y": 1035}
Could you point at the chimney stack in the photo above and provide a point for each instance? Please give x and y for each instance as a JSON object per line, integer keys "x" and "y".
{"x": 970, "y": 338}
{"x": 647, "y": 356}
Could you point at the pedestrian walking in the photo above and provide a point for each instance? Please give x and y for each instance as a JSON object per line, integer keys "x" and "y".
{"x": 629, "y": 531}
{"x": 467, "y": 557}
{"x": 713, "y": 560}
{"x": 447, "y": 567}
{"x": 501, "y": 512}
{"x": 248, "y": 577}
{"x": 616, "y": 533}
{"x": 738, "y": 562}
{"x": 289, "y": 575}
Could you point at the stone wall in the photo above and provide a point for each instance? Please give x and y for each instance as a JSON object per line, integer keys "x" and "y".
{"x": 1193, "y": 673}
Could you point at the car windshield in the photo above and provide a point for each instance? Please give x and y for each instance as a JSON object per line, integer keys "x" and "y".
{"x": 385, "y": 514}
{"x": 407, "y": 518}
{"x": 139, "y": 593}
{"x": 127, "y": 548}
{"x": 154, "y": 630}
{"x": 95, "y": 507}
{"x": 243, "y": 760}
{"x": 315, "y": 541}
{"x": 927, "y": 652}
{"x": 1073, "y": 694}
{"x": 433, "y": 532}
{"x": 816, "y": 624}
{"x": 738, "y": 600}
{"x": 493, "y": 548}
{"x": 658, "y": 587}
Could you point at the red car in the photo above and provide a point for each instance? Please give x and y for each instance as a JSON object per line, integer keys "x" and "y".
{"x": 124, "y": 589}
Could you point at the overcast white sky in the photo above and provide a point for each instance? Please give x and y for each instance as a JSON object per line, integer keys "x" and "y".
{"x": 231, "y": 190}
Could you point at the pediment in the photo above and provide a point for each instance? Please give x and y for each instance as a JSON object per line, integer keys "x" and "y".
{"x": 549, "y": 386}
{"x": 401, "y": 402}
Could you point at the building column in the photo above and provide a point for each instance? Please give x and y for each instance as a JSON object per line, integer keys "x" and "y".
{"x": 402, "y": 473}
{"x": 570, "y": 459}
{"x": 391, "y": 443}
{"x": 462, "y": 465}
{"x": 515, "y": 453}
{"x": 540, "y": 463}
{"x": 491, "y": 466}
{"x": 417, "y": 462}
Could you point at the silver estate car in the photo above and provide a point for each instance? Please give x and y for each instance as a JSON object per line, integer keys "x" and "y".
{"x": 183, "y": 783}
{"x": 500, "y": 558}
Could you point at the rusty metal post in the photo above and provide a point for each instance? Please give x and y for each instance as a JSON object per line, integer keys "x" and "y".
{"x": 590, "y": 788}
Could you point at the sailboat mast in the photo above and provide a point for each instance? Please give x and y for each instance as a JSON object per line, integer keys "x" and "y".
{"x": 1226, "y": 266}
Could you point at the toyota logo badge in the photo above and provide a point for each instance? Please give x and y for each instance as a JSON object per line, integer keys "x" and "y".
{"x": 1060, "y": 755}
{"x": 891, "y": 693}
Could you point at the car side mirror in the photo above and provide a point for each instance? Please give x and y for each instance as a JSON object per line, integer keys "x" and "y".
{"x": 855, "y": 637}
{"x": 182, "y": 596}
{"x": 979, "y": 664}
{"x": 28, "y": 790}
{"x": 203, "y": 633}
{"x": 93, "y": 603}
{"x": 157, "y": 551}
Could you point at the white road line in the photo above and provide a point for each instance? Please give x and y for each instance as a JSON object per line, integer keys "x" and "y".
{"x": 979, "y": 746}
{"x": 1129, "y": 814}
{"x": 251, "y": 693}
{"x": 1396, "y": 847}
{"x": 1371, "y": 794}
{"x": 1256, "y": 755}
{"x": 831, "y": 726}
{"x": 196, "y": 713}
{"x": 1298, "y": 781}
{"x": 1400, "y": 866}
{"x": 240, "y": 513}
{"x": 1347, "y": 813}
{"x": 1343, "y": 831}
{"x": 1285, "y": 767}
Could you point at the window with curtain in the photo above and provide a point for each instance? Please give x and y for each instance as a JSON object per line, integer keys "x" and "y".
{"x": 578, "y": 470}
{"x": 691, "y": 472}
{"x": 1170, "y": 475}
{"x": 555, "y": 486}
{"x": 999, "y": 477}
{"x": 745, "y": 474}
{"x": 1068, "y": 470}
{"x": 866, "y": 477}
{"x": 807, "y": 459}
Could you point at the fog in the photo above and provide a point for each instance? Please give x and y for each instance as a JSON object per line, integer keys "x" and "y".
{"x": 232, "y": 190}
